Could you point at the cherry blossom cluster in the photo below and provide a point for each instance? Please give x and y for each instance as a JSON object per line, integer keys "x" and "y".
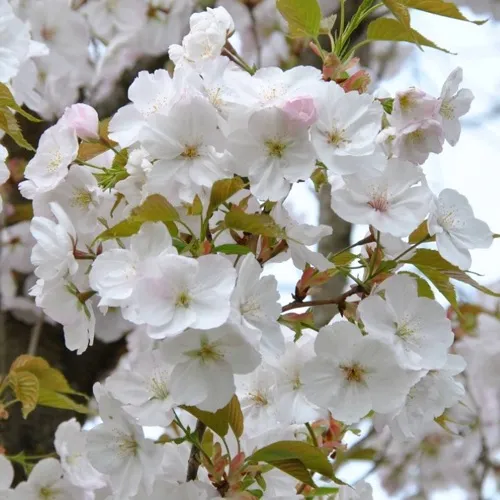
{"x": 117, "y": 32}
{"x": 167, "y": 232}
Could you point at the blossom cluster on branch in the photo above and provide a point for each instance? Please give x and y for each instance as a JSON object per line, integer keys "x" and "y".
{"x": 161, "y": 222}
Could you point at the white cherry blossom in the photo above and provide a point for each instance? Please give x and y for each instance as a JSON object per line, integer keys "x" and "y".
{"x": 46, "y": 481}
{"x": 17, "y": 244}
{"x": 454, "y": 104}
{"x": 118, "y": 448}
{"x": 205, "y": 363}
{"x": 69, "y": 443}
{"x": 53, "y": 254}
{"x": 255, "y": 307}
{"x": 257, "y": 393}
{"x": 274, "y": 152}
{"x": 427, "y": 399}
{"x": 417, "y": 327}
{"x": 350, "y": 374}
{"x": 185, "y": 293}
{"x": 145, "y": 390}
{"x": 301, "y": 236}
{"x": 58, "y": 147}
{"x": 457, "y": 230}
{"x": 345, "y": 134}
{"x": 186, "y": 144}
{"x": 394, "y": 200}
{"x": 116, "y": 273}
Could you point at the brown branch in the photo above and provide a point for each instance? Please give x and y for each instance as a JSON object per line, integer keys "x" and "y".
{"x": 336, "y": 301}
{"x": 194, "y": 456}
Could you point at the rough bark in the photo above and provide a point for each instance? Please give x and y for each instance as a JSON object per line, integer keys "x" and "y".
{"x": 35, "y": 435}
{"x": 340, "y": 237}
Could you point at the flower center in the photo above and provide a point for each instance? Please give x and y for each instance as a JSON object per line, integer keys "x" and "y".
{"x": 416, "y": 137}
{"x": 81, "y": 198}
{"x": 353, "y": 373}
{"x": 406, "y": 102}
{"x": 336, "y": 137}
{"x": 296, "y": 383}
{"x": 275, "y": 148}
{"x": 183, "y": 300}
{"x": 47, "y": 34}
{"x": 447, "y": 110}
{"x": 404, "y": 331}
{"x": 158, "y": 388}
{"x": 47, "y": 494}
{"x": 127, "y": 445}
{"x": 250, "y": 306}
{"x": 259, "y": 398}
{"x": 190, "y": 151}
{"x": 55, "y": 162}
{"x": 379, "y": 203}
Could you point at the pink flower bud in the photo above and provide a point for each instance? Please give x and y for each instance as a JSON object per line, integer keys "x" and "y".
{"x": 83, "y": 120}
{"x": 301, "y": 109}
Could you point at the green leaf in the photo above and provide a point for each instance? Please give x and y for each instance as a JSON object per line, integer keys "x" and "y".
{"x": 26, "y": 389}
{"x": 319, "y": 492}
{"x": 195, "y": 208}
{"x": 442, "y": 283}
{"x": 303, "y": 17}
{"x": 439, "y": 7}
{"x": 311, "y": 457}
{"x": 9, "y": 125}
{"x": 222, "y": 190}
{"x": 423, "y": 287}
{"x": 343, "y": 259}
{"x": 432, "y": 258}
{"x": 154, "y": 209}
{"x": 236, "y": 421}
{"x": 53, "y": 399}
{"x": 232, "y": 249}
{"x": 400, "y": 12}
{"x": 391, "y": 30}
{"x": 252, "y": 223}
{"x": 89, "y": 150}
{"x": 7, "y": 100}
{"x": 218, "y": 421}
{"x": 123, "y": 229}
{"x": 319, "y": 178}
{"x": 298, "y": 322}
{"x": 420, "y": 234}
{"x": 120, "y": 159}
{"x": 295, "y": 468}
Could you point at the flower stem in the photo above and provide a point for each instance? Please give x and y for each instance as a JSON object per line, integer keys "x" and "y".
{"x": 311, "y": 433}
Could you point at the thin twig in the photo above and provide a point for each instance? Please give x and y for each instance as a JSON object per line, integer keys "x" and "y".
{"x": 311, "y": 303}
{"x": 194, "y": 456}
{"x": 36, "y": 333}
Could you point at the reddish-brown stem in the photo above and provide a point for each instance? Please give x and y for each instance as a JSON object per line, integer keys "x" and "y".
{"x": 311, "y": 303}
